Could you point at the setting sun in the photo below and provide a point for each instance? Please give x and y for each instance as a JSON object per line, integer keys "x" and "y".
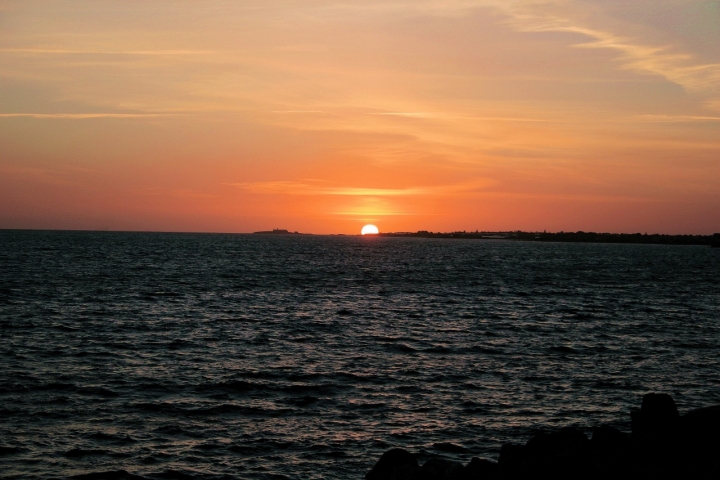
{"x": 181, "y": 184}
{"x": 443, "y": 116}
{"x": 370, "y": 230}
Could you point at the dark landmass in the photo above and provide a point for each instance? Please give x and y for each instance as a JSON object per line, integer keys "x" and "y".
{"x": 278, "y": 231}
{"x": 662, "y": 445}
{"x": 580, "y": 237}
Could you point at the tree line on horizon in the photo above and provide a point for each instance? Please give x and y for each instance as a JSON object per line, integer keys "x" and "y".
{"x": 579, "y": 236}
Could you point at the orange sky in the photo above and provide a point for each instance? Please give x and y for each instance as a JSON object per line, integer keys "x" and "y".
{"x": 322, "y": 116}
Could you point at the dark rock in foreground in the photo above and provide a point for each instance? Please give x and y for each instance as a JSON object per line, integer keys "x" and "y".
{"x": 663, "y": 444}
{"x": 391, "y": 462}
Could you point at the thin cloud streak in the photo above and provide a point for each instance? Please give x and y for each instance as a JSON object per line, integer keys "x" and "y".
{"x": 648, "y": 59}
{"x": 677, "y": 118}
{"x": 451, "y": 108}
{"x": 46, "y": 51}
{"x": 297, "y": 188}
{"x": 81, "y": 116}
{"x": 406, "y": 114}
{"x": 548, "y": 16}
{"x": 361, "y": 213}
{"x": 675, "y": 67}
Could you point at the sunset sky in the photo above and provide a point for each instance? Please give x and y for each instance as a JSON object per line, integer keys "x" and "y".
{"x": 321, "y": 116}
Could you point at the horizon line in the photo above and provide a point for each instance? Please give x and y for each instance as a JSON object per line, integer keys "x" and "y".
{"x": 466, "y": 232}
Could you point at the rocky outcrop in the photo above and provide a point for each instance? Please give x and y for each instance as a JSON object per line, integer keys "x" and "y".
{"x": 391, "y": 463}
{"x": 662, "y": 445}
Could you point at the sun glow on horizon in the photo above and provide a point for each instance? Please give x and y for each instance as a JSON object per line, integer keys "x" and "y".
{"x": 425, "y": 115}
{"x": 370, "y": 230}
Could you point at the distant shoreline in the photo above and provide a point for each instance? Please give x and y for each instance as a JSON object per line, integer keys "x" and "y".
{"x": 279, "y": 231}
{"x": 566, "y": 237}
{"x": 570, "y": 237}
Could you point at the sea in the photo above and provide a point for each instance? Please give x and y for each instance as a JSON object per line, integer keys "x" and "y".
{"x": 213, "y": 356}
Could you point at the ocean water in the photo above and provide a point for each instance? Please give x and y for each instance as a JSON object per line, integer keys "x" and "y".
{"x": 245, "y": 356}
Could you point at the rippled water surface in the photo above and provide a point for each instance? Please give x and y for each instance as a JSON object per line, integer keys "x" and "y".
{"x": 245, "y": 356}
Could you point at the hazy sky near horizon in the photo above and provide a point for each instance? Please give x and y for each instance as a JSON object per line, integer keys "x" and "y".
{"x": 321, "y": 116}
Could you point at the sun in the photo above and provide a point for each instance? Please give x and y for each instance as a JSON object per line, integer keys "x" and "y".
{"x": 370, "y": 230}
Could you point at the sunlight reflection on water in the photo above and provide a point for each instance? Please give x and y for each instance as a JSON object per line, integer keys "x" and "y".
{"x": 309, "y": 356}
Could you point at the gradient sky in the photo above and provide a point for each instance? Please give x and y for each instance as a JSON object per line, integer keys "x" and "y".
{"x": 321, "y": 116}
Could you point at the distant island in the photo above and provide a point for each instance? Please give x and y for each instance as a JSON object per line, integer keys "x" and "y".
{"x": 278, "y": 231}
{"x": 581, "y": 237}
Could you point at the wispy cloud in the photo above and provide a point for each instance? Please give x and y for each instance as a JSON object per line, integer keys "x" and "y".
{"x": 299, "y": 188}
{"x": 406, "y": 114}
{"x": 81, "y": 116}
{"x": 586, "y": 197}
{"x": 62, "y": 51}
{"x": 454, "y": 116}
{"x": 364, "y": 212}
{"x": 713, "y": 104}
{"x": 558, "y": 16}
{"x": 677, "y": 118}
{"x": 677, "y": 68}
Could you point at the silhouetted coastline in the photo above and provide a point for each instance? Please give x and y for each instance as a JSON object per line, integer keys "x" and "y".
{"x": 573, "y": 237}
{"x": 662, "y": 444}
{"x": 278, "y": 231}
{"x": 715, "y": 241}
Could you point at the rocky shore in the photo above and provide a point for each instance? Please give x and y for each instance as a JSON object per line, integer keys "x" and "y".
{"x": 662, "y": 445}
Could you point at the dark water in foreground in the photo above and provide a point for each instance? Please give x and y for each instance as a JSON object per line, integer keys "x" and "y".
{"x": 238, "y": 356}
